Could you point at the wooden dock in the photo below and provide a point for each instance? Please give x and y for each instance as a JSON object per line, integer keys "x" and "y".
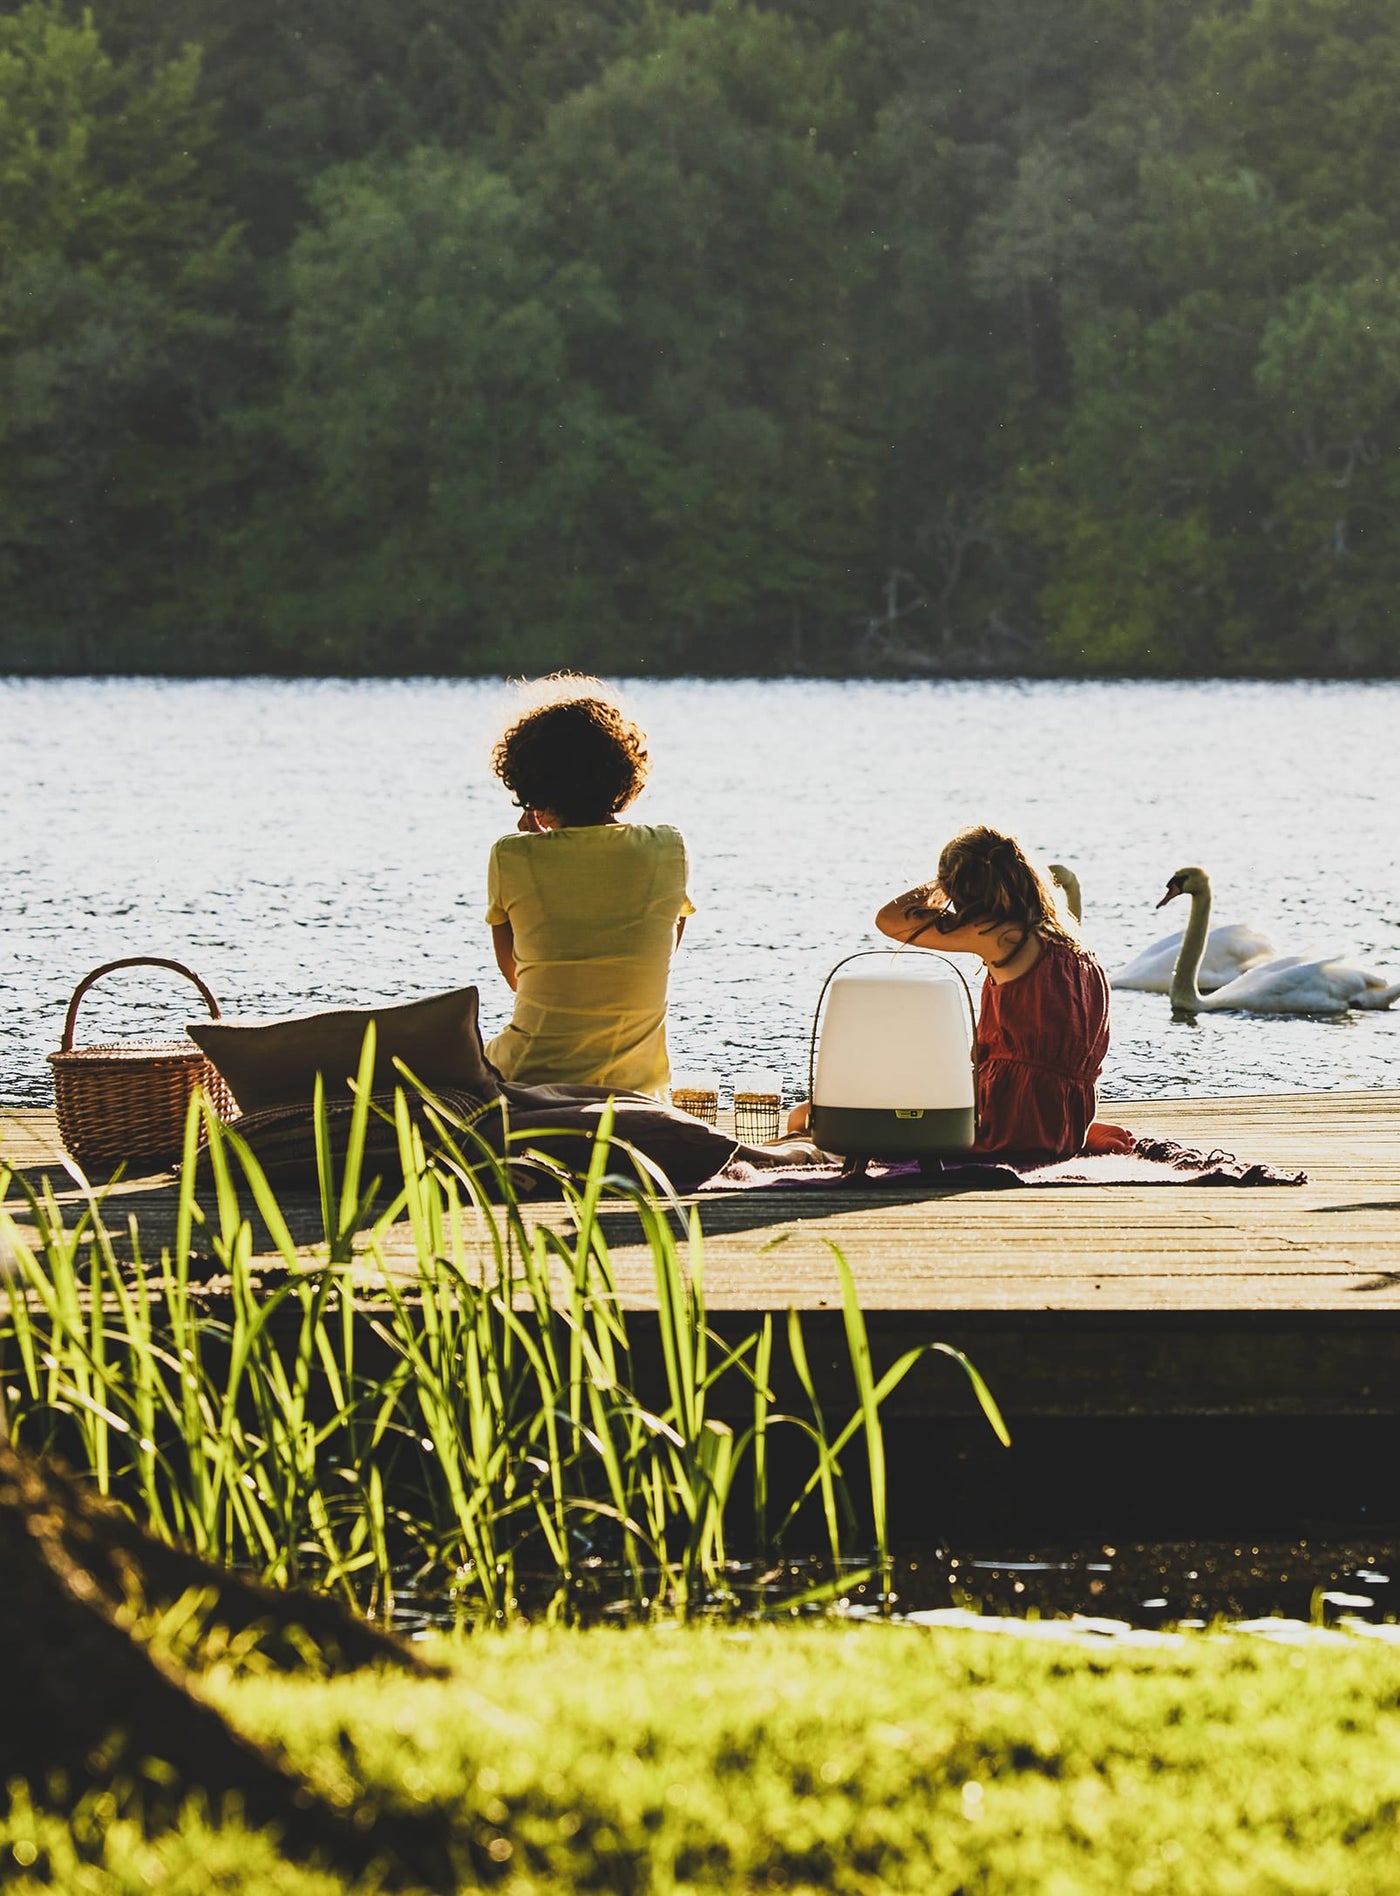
{"x": 1076, "y": 1302}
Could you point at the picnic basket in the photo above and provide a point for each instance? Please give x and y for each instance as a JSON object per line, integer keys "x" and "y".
{"x": 126, "y": 1100}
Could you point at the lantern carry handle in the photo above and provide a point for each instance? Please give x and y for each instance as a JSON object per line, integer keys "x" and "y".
{"x": 863, "y": 954}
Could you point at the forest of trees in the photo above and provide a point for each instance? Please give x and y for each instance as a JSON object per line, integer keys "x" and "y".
{"x": 360, "y": 336}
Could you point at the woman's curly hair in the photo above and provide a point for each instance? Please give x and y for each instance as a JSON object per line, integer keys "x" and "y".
{"x": 578, "y": 757}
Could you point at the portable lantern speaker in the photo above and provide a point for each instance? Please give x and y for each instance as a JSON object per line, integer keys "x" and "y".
{"x": 892, "y": 1066}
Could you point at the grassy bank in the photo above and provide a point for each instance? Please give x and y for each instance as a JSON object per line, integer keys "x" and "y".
{"x": 851, "y": 1758}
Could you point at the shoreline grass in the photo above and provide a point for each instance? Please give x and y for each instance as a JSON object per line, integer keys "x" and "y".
{"x": 507, "y": 1426}
{"x": 858, "y": 1759}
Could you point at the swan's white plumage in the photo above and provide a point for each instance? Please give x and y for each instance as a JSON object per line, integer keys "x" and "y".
{"x": 1289, "y": 984}
{"x": 1378, "y": 994}
{"x": 1231, "y": 950}
{"x": 1313, "y": 981}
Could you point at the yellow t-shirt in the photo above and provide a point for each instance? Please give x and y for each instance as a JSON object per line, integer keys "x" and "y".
{"x": 593, "y": 910}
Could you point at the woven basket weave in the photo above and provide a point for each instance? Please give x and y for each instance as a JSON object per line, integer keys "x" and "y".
{"x": 127, "y": 1100}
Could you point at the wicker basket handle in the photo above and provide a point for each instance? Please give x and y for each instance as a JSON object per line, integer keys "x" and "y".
{"x": 130, "y": 961}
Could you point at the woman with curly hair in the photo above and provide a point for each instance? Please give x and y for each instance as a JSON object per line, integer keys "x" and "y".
{"x": 585, "y": 911}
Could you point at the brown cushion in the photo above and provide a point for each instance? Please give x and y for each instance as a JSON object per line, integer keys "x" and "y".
{"x": 275, "y": 1062}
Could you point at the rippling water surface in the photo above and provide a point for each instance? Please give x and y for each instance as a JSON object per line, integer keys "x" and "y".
{"x": 326, "y": 842}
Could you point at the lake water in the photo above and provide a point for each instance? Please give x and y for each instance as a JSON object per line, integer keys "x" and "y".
{"x": 306, "y": 843}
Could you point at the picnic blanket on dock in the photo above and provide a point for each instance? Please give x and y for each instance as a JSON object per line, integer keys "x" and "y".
{"x": 1151, "y": 1162}
{"x": 561, "y": 1122}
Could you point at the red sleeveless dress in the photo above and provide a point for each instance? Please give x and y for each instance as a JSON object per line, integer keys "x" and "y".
{"x": 1041, "y": 1041}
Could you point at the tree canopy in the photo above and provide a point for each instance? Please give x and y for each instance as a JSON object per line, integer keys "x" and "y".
{"x": 690, "y": 335}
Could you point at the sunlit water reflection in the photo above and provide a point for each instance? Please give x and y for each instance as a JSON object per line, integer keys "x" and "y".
{"x": 325, "y": 842}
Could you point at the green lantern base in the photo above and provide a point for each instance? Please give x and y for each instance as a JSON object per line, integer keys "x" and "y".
{"x": 942, "y": 1132}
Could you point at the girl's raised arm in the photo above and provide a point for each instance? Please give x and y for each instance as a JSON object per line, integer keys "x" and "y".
{"x": 911, "y": 917}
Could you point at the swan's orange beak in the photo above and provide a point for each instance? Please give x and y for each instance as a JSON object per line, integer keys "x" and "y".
{"x": 1173, "y": 889}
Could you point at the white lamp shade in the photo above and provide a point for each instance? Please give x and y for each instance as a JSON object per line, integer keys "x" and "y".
{"x": 895, "y": 1036}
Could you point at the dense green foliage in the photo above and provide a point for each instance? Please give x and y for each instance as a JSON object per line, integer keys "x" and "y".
{"x": 691, "y": 335}
{"x": 851, "y": 1759}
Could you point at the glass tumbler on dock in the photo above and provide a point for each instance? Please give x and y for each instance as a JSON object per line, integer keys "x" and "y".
{"x": 698, "y": 1095}
{"x": 758, "y": 1099}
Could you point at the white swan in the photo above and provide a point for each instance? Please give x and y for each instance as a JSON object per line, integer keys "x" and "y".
{"x": 1231, "y": 949}
{"x": 1286, "y": 984}
{"x": 1067, "y": 880}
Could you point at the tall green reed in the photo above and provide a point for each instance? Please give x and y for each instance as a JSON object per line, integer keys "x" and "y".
{"x": 444, "y": 1389}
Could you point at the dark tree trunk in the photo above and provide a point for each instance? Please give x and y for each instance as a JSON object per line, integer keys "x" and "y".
{"x": 87, "y": 1701}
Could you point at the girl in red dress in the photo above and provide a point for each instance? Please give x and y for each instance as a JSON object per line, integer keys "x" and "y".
{"x": 1043, "y": 1028}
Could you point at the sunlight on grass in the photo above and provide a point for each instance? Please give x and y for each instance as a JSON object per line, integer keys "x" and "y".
{"x": 857, "y": 1759}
